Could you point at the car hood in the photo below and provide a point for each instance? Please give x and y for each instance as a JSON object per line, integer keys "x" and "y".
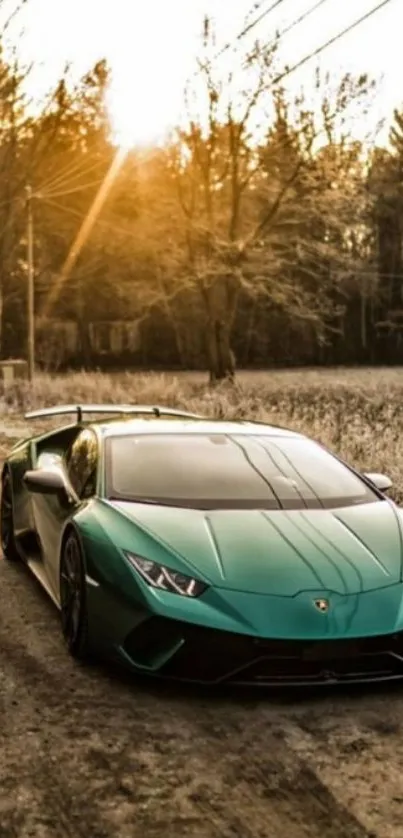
{"x": 280, "y": 552}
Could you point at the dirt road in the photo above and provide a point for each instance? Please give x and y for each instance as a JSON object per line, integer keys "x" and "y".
{"x": 84, "y": 752}
{"x": 88, "y": 753}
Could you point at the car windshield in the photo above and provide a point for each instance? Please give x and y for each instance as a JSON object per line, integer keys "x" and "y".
{"x": 237, "y": 471}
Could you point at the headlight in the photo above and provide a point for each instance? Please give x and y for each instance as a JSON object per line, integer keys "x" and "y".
{"x": 165, "y": 579}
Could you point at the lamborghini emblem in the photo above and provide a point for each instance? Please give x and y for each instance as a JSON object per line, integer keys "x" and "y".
{"x": 322, "y": 605}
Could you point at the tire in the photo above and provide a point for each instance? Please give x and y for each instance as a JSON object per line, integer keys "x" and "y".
{"x": 7, "y": 538}
{"x": 73, "y": 600}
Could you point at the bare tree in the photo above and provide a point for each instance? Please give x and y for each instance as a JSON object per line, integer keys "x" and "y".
{"x": 246, "y": 171}
{"x": 215, "y": 168}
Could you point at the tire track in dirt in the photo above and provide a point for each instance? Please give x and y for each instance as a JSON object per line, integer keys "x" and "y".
{"x": 357, "y": 748}
{"x": 262, "y": 771}
{"x": 91, "y": 754}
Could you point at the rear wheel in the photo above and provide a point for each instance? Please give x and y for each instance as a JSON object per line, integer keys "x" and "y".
{"x": 73, "y": 598}
{"x": 8, "y": 544}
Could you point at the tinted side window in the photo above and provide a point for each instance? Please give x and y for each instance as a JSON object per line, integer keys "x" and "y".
{"x": 81, "y": 463}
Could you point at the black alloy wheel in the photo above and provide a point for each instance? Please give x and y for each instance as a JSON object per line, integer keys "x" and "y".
{"x": 73, "y": 598}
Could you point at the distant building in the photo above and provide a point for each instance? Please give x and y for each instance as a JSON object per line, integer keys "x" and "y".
{"x": 61, "y": 341}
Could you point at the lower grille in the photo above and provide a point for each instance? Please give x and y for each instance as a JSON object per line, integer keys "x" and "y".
{"x": 213, "y": 656}
{"x": 328, "y": 670}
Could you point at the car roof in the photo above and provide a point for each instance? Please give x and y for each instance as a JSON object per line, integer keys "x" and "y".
{"x": 127, "y": 427}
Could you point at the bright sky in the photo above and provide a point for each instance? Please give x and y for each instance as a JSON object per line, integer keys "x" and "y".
{"x": 151, "y": 45}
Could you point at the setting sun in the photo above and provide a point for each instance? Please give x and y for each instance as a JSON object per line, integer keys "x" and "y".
{"x": 140, "y": 114}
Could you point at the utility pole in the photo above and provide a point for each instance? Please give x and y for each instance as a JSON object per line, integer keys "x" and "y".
{"x": 30, "y": 288}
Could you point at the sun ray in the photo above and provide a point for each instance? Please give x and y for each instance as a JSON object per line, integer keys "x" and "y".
{"x": 83, "y": 234}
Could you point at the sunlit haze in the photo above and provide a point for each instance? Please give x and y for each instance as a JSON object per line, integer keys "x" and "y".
{"x": 134, "y": 120}
{"x": 151, "y": 48}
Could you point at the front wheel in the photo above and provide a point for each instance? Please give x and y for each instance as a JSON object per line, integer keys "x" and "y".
{"x": 8, "y": 544}
{"x": 73, "y": 599}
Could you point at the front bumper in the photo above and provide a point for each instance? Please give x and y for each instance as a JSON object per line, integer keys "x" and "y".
{"x": 185, "y": 651}
{"x": 252, "y": 639}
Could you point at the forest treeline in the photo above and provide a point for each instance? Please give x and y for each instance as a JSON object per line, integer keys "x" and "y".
{"x": 262, "y": 234}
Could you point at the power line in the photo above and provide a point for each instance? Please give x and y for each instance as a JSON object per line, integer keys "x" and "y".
{"x": 296, "y": 22}
{"x": 303, "y": 17}
{"x": 75, "y": 169}
{"x": 109, "y": 225}
{"x": 72, "y": 191}
{"x": 248, "y": 28}
{"x": 330, "y": 42}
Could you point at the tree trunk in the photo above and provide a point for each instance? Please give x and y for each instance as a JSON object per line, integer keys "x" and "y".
{"x": 12, "y": 323}
{"x": 84, "y": 344}
{"x": 84, "y": 347}
{"x": 221, "y": 360}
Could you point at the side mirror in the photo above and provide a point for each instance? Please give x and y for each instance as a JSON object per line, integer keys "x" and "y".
{"x": 381, "y": 481}
{"x": 45, "y": 482}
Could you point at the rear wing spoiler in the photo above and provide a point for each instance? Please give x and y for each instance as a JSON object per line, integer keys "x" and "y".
{"x": 118, "y": 410}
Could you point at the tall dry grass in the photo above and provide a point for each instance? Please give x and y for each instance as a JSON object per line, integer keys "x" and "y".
{"x": 357, "y": 413}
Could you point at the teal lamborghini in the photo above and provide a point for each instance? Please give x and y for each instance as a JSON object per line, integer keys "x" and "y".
{"x": 205, "y": 550}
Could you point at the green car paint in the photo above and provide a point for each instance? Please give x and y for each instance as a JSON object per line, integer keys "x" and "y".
{"x": 253, "y": 590}
{"x": 308, "y": 574}
{"x": 349, "y": 551}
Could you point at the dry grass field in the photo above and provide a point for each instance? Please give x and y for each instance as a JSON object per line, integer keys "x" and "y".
{"x": 87, "y": 752}
{"x": 358, "y": 413}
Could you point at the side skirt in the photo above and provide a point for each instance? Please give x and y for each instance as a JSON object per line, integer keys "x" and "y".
{"x": 36, "y": 567}
{"x": 30, "y": 552}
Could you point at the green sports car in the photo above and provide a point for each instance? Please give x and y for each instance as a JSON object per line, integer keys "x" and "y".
{"x": 206, "y": 550}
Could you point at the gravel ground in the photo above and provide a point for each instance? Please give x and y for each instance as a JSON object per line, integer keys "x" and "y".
{"x": 87, "y": 751}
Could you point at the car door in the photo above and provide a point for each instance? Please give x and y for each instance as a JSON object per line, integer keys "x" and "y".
{"x": 80, "y": 465}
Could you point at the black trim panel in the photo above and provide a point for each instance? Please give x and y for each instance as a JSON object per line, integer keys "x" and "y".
{"x": 205, "y": 655}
